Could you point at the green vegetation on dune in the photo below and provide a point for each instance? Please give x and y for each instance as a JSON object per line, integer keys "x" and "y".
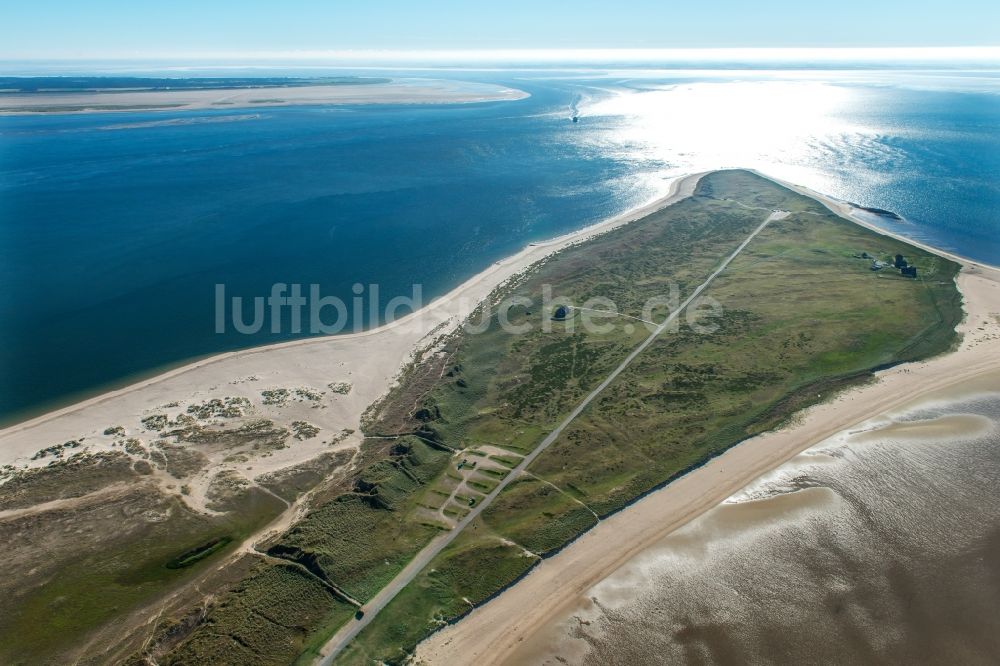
{"x": 354, "y": 545}
{"x": 360, "y": 540}
{"x": 538, "y": 515}
{"x": 269, "y": 618}
{"x": 802, "y": 315}
{"x": 464, "y": 575}
{"x": 510, "y": 389}
{"x": 354, "y": 542}
{"x": 66, "y": 478}
{"x": 125, "y": 551}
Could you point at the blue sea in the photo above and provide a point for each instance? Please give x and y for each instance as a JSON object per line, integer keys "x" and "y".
{"x": 116, "y": 227}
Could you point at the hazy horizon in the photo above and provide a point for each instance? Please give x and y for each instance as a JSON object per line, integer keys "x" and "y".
{"x": 303, "y": 62}
{"x": 57, "y": 29}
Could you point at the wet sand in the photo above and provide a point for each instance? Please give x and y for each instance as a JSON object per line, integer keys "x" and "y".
{"x": 880, "y": 545}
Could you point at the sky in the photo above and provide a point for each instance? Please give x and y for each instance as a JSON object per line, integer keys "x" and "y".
{"x": 51, "y": 29}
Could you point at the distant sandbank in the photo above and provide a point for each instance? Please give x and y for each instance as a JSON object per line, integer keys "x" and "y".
{"x": 399, "y": 91}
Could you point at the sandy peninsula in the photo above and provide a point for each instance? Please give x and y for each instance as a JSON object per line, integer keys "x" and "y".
{"x": 513, "y": 627}
{"x": 331, "y": 381}
{"x": 398, "y": 91}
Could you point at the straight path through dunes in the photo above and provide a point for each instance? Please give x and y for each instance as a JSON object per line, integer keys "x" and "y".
{"x": 802, "y": 315}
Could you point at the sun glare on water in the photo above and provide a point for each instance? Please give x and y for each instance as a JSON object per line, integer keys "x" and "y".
{"x": 780, "y": 127}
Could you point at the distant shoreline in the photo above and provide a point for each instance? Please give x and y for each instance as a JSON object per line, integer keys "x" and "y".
{"x": 380, "y": 91}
